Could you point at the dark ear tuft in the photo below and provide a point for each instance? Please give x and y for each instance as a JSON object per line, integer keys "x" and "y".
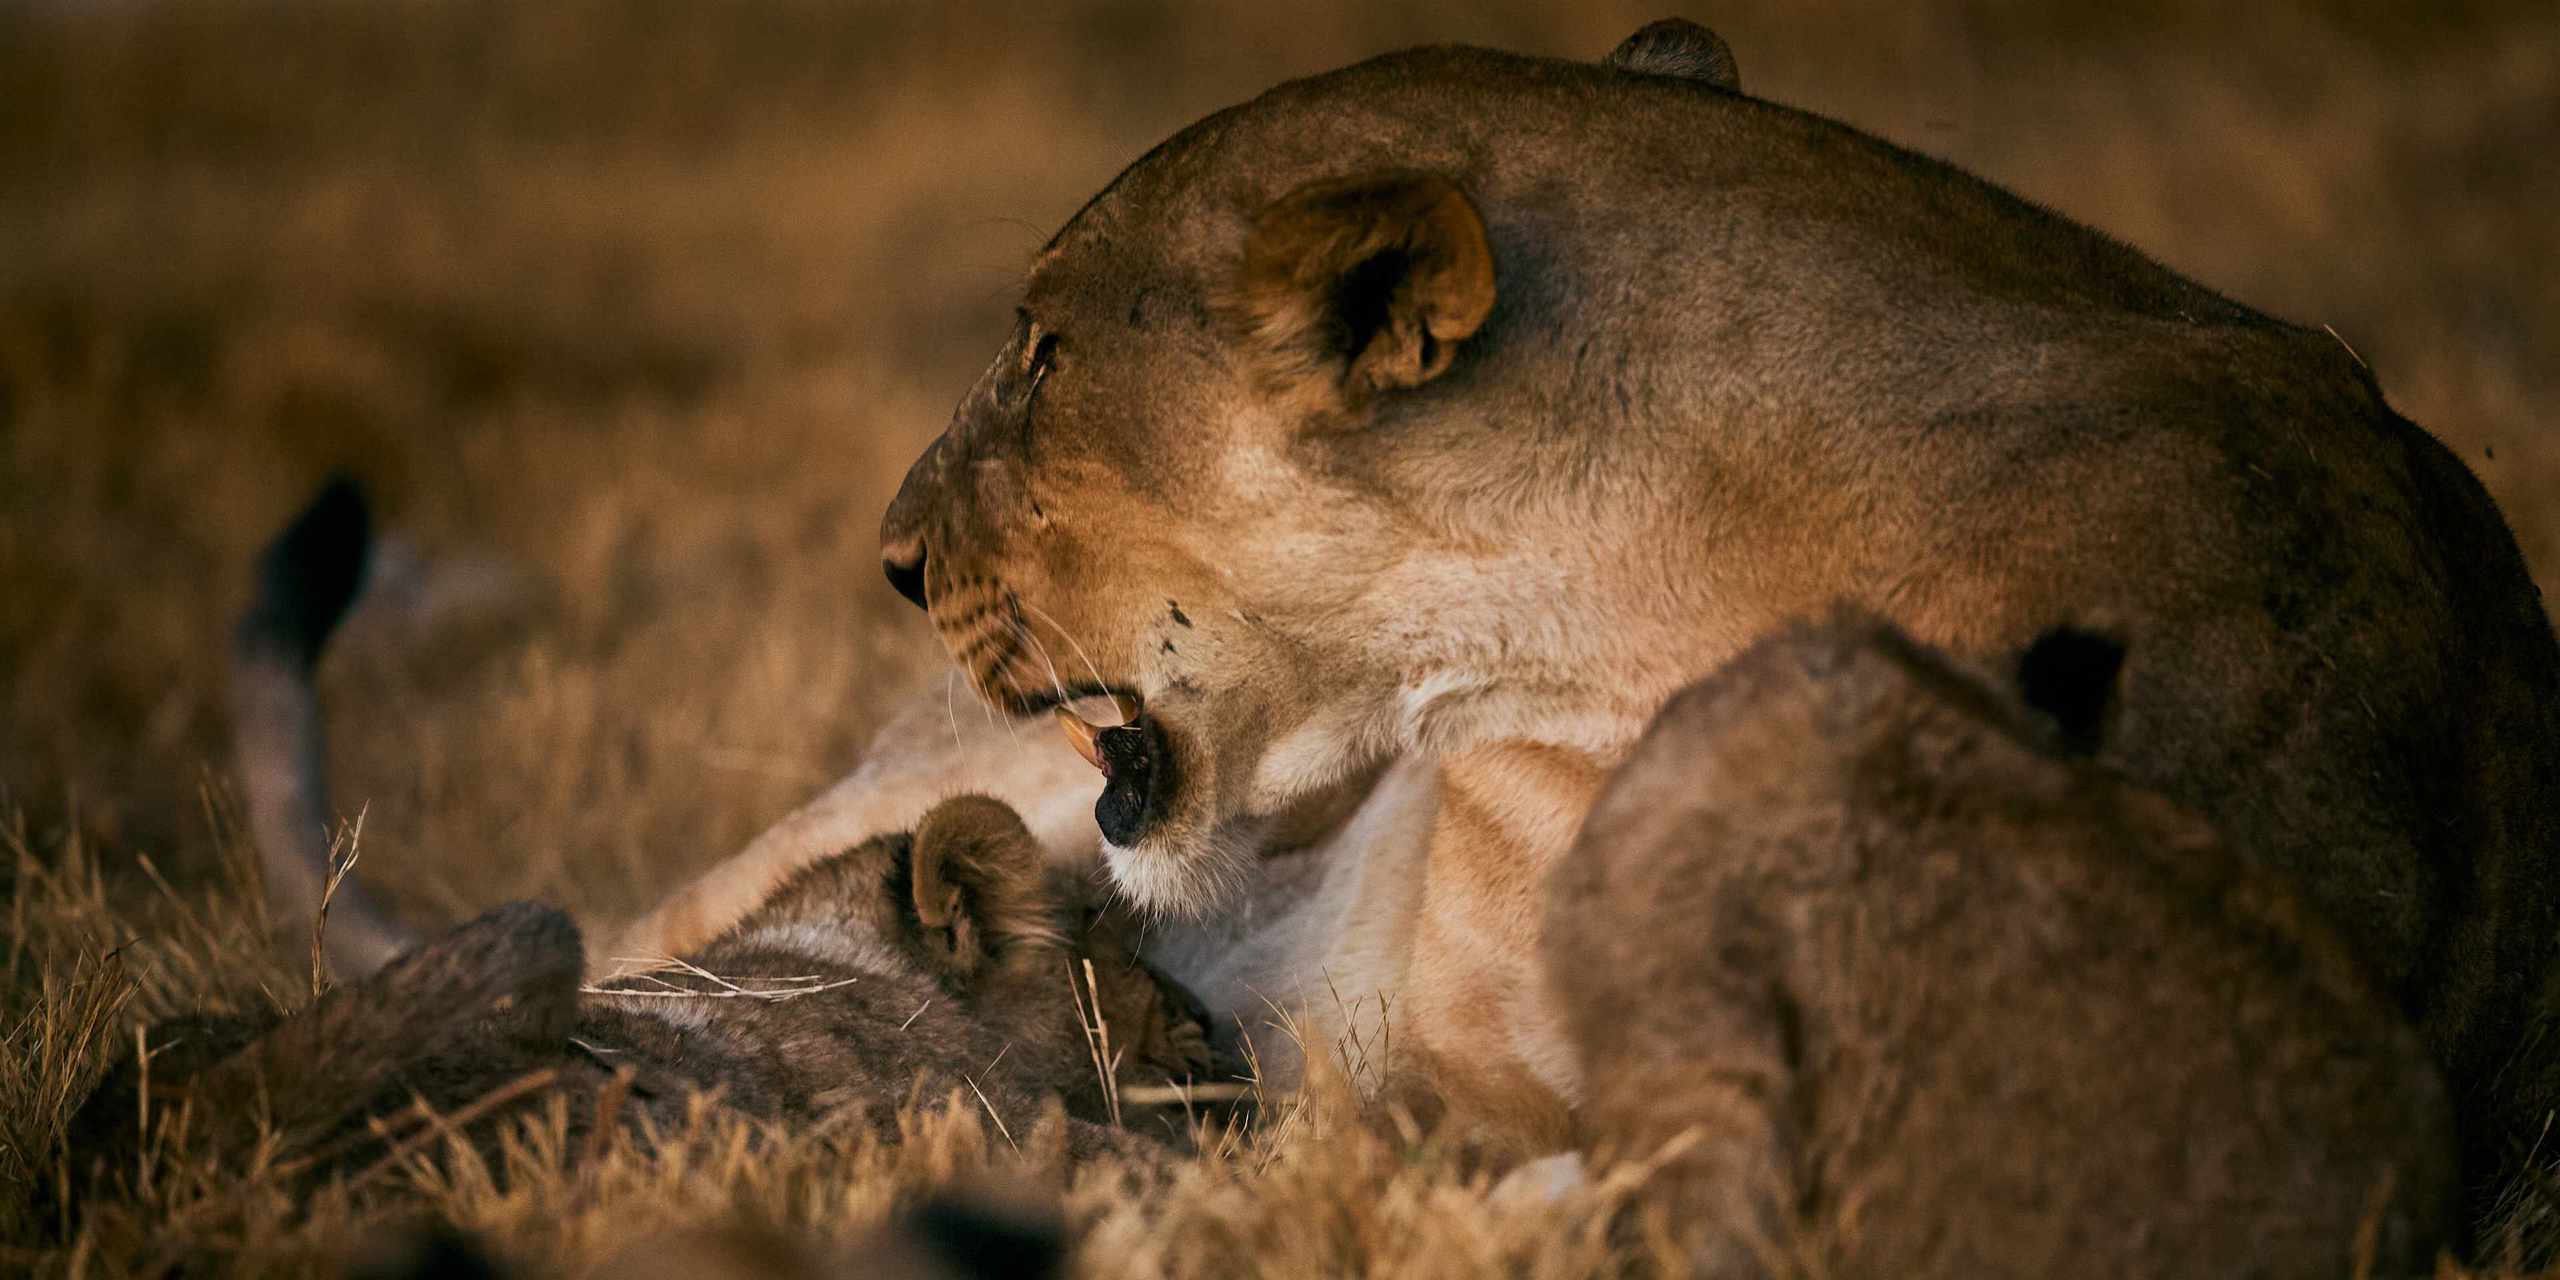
{"x": 2070, "y": 675}
{"x": 1358, "y": 286}
{"x": 1681, "y": 49}
{"x": 976, "y": 877}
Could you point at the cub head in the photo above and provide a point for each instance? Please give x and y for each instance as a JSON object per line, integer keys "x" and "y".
{"x": 1850, "y": 716}
{"x": 1285, "y": 461}
{"x": 963, "y": 898}
{"x": 969, "y": 900}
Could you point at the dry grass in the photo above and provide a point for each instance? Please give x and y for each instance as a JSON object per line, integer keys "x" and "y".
{"x": 658, "y": 298}
{"x": 1314, "y": 1195}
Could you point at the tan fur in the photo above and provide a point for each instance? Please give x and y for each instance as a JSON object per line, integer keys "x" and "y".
{"x": 1740, "y": 362}
{"x": 1475, "y": 998}
{"x": 1893, "y": 989}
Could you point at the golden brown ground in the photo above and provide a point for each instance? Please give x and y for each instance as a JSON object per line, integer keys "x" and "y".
{"x": 657, "y": 298}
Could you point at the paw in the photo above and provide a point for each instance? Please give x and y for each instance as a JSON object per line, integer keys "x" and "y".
{"x": 1189, "y": 1043}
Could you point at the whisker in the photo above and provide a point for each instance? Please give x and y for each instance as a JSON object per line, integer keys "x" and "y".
{"x": 979, "y": 686}
{"x": 1055, "y": 684}
{"x": 977, "y": 689}
{"x": 987, "y": 696}
{"x": 1054, "y": 625}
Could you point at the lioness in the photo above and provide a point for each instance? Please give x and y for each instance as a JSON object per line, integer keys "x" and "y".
{"x": 1916, "y": 994}
{"x": 1392, "y": 445}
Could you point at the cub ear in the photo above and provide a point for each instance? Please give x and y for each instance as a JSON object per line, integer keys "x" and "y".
{"x": 977, "y": 877}
{"x": 1355, "y": 286}
{"x": 2069, "y": 674}
{"x": 1681, "y": 49}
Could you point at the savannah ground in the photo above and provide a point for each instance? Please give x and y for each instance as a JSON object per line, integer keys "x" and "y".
{"x": 652, "y": 302}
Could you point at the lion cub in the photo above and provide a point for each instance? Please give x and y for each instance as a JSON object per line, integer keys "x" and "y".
{"x": 1895, "y": 986}
{"x": 908, "y": 966}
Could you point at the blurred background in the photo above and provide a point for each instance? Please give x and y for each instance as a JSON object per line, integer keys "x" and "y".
{"x": 643, "y": 306}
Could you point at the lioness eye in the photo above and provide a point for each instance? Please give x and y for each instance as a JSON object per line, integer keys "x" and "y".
{"x": 1035, "y": 366}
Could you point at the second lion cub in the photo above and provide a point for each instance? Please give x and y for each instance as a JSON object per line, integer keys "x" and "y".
{"x": 1895, "y": 985}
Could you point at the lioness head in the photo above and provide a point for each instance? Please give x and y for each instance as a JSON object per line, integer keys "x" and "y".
{"x": 1281, "y": 450}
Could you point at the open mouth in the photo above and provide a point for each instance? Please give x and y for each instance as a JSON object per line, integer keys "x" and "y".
{"x": 1133, "y": 756}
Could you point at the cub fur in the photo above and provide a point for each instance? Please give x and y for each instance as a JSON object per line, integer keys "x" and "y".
{"x": 1899, "y": 989}
{"x": 949, "y": 959}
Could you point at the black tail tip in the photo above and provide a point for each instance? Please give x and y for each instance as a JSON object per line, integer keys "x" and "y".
{"x": 310, "y": 575}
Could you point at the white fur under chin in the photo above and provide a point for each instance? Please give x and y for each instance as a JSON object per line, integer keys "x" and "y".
{"x": 1436, "y": 714}
{"x": 1319, "y": 752}
{"x": 1183, "y": 883}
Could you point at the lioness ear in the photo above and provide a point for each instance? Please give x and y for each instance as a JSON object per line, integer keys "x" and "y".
{"x": 2070, "y": 674}
{"x": 1364, "y": 285}
{"x": 976, "y": 877}
{"x": 1681, "y": 49}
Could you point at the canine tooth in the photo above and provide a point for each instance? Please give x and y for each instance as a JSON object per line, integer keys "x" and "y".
{"x": 1105, "y": 710}
{"x": 1081, "y": 735}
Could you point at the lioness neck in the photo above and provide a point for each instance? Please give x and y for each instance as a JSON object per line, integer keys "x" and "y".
{"x": 1575, "y": 647}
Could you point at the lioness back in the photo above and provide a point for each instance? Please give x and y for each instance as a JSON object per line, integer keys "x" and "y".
{"x": 1928, "y": 999}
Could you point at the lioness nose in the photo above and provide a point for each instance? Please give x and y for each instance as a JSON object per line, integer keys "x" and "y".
{"x": 909, "y": 518}
{"x": 906, "y": 572}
